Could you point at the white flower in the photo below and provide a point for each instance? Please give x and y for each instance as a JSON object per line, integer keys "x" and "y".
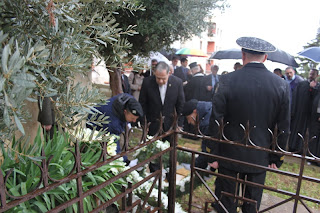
{"x": 178, "y": 208}
{"x": 162, "y": 145}
{"x": 113, "y": 138}
{"x": 114, "y": 171}
{"x": 111, "y": 149}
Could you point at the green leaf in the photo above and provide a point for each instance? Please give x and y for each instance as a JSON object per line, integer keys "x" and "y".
{"x": 19, "y": 172}
{"x": 3, "y": 36}
{"x": 2, "y": 81}
{"x": 101, "y": 42}
{"x": 21, "y": 159}
{"x": 39, "y": 48}
{"x": 29, "y": 53}
{"x": 36, "y": 158}
{"x": 15, "y": 60}
{"x": 41, "y": 206}
{"x": 18, "y": 123}
{"x": 6, "y": 116}
{"x": 4, "y": 60}
{"x": 23, "y": 188}
{"x": 31, "y": 99}
{"x": 44, "y": 53}
{"x": 6, "y": 99}
{"x": 112, "y": 39}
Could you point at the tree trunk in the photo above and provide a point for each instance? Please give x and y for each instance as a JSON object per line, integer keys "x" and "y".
{"x": 115, "y": 81}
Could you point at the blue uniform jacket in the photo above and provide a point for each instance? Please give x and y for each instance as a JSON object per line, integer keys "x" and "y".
{"x": 204, "y": 111}
{"x": 116, "y": 118}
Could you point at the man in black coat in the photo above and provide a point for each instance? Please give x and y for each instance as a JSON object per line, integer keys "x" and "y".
{"x": 161, "y": 93}
{"x": 302, "y": 99}
{"x": 195, "y": 88}
{"x": 252, "y": 94}
{"x": 125, "y": 83}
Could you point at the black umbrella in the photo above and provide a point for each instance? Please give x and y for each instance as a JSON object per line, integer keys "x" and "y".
{"x": 170, "y": 53}
{"x": 279, "y": 56}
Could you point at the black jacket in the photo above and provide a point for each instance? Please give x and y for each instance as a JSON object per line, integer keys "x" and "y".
{"x": 252, "y": 94}
{"x": 125, "y": 84}
{"x": 195, "y": 88}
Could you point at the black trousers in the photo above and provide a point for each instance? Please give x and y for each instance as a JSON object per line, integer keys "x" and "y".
{"x": 251, "y": 192}
{"x": 202, "y": 160}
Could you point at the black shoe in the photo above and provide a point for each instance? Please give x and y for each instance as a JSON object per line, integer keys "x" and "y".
{"x": 127, "y": 162}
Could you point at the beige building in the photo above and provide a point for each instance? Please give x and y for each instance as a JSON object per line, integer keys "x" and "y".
{"x": 208, "y": 41}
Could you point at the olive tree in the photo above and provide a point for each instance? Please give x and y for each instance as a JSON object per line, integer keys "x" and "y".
{"x": 44, "y": 45}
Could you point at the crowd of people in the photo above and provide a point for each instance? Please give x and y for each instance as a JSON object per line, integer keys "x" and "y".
{"x": 251, "y": 94}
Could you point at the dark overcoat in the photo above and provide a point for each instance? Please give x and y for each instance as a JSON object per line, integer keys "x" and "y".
{"x": 252, "y": 94}
{"x": 195, "y": 88}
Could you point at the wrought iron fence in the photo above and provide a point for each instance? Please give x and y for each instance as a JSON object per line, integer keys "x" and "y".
{"x": 303, "y": 155}
{"x": 127, "y": 204}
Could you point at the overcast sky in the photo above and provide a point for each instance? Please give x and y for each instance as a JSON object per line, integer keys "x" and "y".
{"x": 288, "y": 24}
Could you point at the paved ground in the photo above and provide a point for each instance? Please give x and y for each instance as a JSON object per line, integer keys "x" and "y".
{"x": 269, "y": 200}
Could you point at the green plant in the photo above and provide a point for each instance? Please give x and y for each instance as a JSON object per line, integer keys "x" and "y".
{"x": 26, "y": 174}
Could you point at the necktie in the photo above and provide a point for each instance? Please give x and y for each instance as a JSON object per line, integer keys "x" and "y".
{"x": 213, "y": 84}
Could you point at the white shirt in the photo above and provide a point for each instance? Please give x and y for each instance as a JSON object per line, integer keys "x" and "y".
{"x": 163, "y": 90}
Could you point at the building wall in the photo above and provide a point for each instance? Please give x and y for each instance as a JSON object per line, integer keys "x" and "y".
{"x": 207, "y": 41}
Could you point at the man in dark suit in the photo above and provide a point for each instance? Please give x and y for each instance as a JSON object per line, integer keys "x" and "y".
{"x": 161, "y": 93}
{"x": 252, "y": 94}
{"x": 182, "y": 71}
{"x": 211, "y": 81}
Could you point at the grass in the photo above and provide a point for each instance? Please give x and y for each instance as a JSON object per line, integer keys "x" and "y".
{"x": 308, "y": 188}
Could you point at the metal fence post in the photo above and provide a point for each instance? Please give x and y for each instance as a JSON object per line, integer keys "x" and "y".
{"x": 172, "y": 173}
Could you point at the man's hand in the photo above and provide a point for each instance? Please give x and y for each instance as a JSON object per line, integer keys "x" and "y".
{"x": 273, "y": 166}
{"x": 47, "y": 127}
{"x": 214, "y": 165}
{"x": 313, "y": 84}
{"x": 209, "y": 88}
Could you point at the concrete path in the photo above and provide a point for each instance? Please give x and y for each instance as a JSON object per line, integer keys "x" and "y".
{"x": 269, "y": 200}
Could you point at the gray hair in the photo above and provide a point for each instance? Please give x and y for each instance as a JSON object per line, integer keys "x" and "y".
{"x": 214, "y": 67}
{"x": 162, "y": 66}
{"x": 195, "y": 69}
